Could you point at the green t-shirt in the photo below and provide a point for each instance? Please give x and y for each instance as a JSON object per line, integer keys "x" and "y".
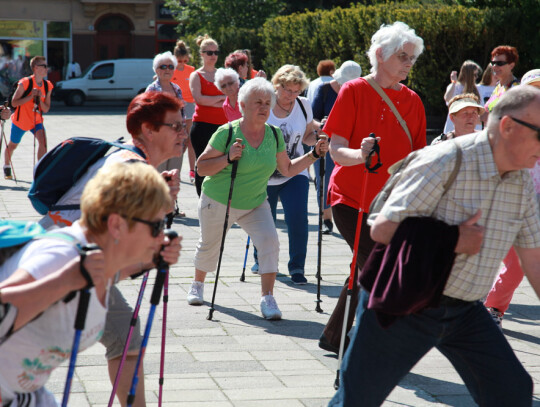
{"x": 254, "y": 168}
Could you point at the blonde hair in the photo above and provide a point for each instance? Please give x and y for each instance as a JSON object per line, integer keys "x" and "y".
{"x": 203, "y": 40}
{"x": 467, "y": 77}
{"x": 290, "y": 74}
{"x": 132, "y": 189}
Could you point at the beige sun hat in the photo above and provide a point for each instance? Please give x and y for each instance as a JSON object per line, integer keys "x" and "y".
{"x": 463, "y": 103}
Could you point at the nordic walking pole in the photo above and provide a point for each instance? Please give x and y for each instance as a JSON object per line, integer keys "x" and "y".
{"x": 128, "y": 339}
{"x": 80, "y": 319}
{"x": 154, "y": 302}
{"x": 352, "y": 275}
{"x": 5, "y": 141}
{"x": 243, "y": 276}
{"x": 225, "y": 224}
{"x": 322, "y": 169}
{"x": 36, "y": 108}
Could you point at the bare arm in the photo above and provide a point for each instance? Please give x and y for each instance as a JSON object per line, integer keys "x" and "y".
{"x": 212, "y": 161}
{"x": 312, "y": 132}
{"x": 46, "y": 104}
{"x": 530, "y": 263}
{"x": 200, "y": 99}
{"x": 290, "y": 168}
{"x": 345, "y": 156}
{"x": 18, "y": 100}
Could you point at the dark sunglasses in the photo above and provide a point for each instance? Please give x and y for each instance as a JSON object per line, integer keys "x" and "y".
{"x": 529, "y": 125}
{"x": 177, "y": 126}
{"x": 498, "y": 63}
{"x": 43, "y": 65}
{"x": 155, "y": 227}
{"x": 163, "y": 67}
{"x": 210, "y": 53}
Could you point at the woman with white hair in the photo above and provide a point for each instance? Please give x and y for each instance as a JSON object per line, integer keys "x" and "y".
{"x": 228, "y": 81}
{"x": 360, "y": 110}
{"x": 259, "y": 149}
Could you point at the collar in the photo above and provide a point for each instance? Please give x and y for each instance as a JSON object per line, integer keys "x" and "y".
{"x": 486, "y": 163}
{"x": 141, "y": 147}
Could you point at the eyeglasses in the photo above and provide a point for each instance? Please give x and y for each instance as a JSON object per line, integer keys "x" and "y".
{"x": 529, "y": 125}
{"x": 291, "y": 92}
{"x": 156, "y": 227}
{"x": 404, "y": 57}
{"x": 210, "y": 53}
{"x": 177, "y": 126}
{"x": 43, "y": 65}
{"x": 224, "y": 85}
{"x": 498, "y": 63}
{"x": 163, "y": 67}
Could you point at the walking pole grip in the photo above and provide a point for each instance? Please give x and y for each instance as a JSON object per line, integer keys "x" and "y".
{"x": 160, "y": 277}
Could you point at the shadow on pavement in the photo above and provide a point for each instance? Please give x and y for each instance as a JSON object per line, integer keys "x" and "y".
{"x": 424, "y": 386}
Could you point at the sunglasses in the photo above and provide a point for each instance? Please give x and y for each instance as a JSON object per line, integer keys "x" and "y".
{"x": 163, "y": 67}
{"x": 529, "y": 125}
{"x": 224, "y": 85}
{"x": 177, "y": 126}
{"x": 43, "y": 65}
{"x": 156, "y": 227}
{"x": 498, "y": 63}
{"x": 210, "y": 53}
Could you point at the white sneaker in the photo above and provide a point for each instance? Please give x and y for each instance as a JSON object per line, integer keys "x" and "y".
{"x": 269, "y": 308}
{"x": 195, "y": 295}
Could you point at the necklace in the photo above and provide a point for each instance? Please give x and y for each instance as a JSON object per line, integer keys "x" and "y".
{"x": 286, "y": 110}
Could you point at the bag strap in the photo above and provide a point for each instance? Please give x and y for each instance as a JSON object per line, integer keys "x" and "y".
{"x": 302, "y": 107}
{"x": 391, "y": 105}
{"x": 455, "y": 171}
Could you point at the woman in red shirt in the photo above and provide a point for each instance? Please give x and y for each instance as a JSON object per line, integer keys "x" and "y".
{"x": 209, "y": 114}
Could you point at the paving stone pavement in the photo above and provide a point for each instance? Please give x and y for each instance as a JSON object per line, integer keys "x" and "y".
{"x": 239, "y": 359}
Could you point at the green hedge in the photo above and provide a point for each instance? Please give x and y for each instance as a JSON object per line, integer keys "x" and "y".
{"x": 451, "y": 35}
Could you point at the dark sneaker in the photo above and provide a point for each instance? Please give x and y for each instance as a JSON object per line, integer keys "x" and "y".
{"x": 7, "y": 173}
{"x": 298, "y": 279}
{"x": 327, "y": 227}
{"x": 497, "y": 316}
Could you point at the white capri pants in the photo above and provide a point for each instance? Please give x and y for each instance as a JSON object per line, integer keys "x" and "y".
{"x": 257, "y": 223}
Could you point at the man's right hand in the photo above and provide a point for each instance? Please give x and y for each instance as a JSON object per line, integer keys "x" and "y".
{"x": 471, "y": 235}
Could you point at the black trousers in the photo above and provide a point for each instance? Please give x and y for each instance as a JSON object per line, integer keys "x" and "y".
{"x": 200, "y": 135}
{"x": 345, "y": 218}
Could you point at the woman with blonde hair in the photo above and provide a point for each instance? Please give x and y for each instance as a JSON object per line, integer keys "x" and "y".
{"x": 465, "y": 82}
{"x": 181, "y": 78}
{"x": 123, "y": 208}
{"x": 209, "y": 100}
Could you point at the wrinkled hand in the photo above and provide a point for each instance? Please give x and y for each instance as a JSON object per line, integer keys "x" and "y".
{"x": 366, "y": 147}
{"x": 235, "y": 152}
{"x": 172, "y": 178}
{"x": 171, "y": 250}
{"x": 453, "y": 76}
{"x": 471, "y": 235}
{"x": 322, "y": 145}
{"x": 95, "y": 265}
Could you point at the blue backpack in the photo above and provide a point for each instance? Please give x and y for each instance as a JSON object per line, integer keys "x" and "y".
{"x": 64, "y": 165}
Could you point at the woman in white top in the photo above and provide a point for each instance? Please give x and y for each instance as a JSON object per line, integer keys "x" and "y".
{"x": 123, "y": 208}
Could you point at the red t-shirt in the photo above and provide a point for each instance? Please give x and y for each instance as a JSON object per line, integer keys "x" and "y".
{"x": 359, "y": 111}
{"x": 209, "y": 114}
{"x": 181, "y": 78}
{"x": 25, "y": 113}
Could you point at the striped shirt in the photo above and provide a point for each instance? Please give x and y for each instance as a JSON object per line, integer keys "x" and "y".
{"x": 508, "y": 204}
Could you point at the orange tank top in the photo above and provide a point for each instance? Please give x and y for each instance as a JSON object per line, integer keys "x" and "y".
{"x": 209, "y": 114}
{"x": 24, "y": 116}
{"x": 181, "y": 78}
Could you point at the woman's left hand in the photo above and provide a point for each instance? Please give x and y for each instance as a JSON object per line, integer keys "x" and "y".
{"x": 171, "y": 250}
{"x": 173, "y": 181}
{"x": 322, "y": 145}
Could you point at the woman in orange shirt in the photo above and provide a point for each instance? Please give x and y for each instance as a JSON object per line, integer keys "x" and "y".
{"x": 181, "y": 78}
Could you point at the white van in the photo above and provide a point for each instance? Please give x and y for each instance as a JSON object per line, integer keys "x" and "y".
{"x": 114, "y": 79}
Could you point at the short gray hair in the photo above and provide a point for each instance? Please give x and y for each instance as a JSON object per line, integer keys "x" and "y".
{"x": 256, "y": 85}
{"x": 392, "y": 38}
{"x": 513, "y": 101}
{"x": 223, "y": 73}
{"x": 161, "y": 57}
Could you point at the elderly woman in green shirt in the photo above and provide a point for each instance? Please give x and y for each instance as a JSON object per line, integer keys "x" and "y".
{"x": 260, "y": 149}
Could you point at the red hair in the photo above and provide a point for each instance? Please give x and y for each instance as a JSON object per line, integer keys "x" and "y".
{"x": 510, "y": 52}
{"x": 326, "y": 67}
{"x": 235, "y": 60}
{"x": 149, "y": 108}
